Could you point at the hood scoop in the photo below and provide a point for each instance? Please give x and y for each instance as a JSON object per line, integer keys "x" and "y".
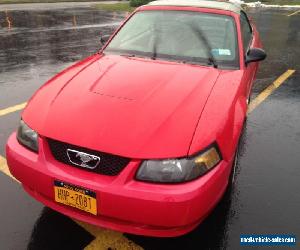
{"x": 115, "y": 81}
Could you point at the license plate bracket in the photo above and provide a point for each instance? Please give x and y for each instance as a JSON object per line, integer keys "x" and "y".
{"x": 75, "y": 196}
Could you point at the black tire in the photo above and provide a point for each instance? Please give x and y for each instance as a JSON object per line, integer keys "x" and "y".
{"x": 248, "y": 100}
{"x": 247, "y": 103}
{"x": 232, "y": 176}
{"x": 231, "y": 179}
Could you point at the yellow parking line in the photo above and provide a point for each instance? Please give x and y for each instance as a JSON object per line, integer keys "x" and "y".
{"x": 294, "y": 13}
{"x": 4, "y": 168}
{"x": 107, "y": 239}
{"x": 269, "y": 90}
{"x": 12, "y": 109}
{"x": 104, "y": 238}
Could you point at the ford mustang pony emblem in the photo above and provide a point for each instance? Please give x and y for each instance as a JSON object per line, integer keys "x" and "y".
{"x": 83, "y": 159}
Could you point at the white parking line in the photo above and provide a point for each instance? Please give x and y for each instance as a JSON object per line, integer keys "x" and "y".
{"x": 294, "y": 13}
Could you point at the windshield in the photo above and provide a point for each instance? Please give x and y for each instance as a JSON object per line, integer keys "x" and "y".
{"x": 185, "y": 36}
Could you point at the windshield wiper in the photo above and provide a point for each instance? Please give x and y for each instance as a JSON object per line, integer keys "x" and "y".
{"x": 212, "y": 61}
{"x": 211, "y": 58}
{"x": 128, "y": 55}
{"x": 154, "y": 54}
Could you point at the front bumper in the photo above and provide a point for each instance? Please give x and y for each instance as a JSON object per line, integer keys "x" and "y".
{"x": 123, "y": 203}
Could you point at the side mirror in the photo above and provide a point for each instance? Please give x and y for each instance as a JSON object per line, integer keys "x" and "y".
{"x": 104, "y": 39}
{"x": 255, "y": 55}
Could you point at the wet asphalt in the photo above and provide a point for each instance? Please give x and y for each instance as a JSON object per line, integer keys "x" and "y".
{"x": 36, "y": 44}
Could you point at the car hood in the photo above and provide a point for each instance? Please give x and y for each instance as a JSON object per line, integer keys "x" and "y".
{"x": 132, "y": 107}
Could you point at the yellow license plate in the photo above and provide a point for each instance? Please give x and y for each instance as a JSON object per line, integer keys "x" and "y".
{"x": 74, "y": 196}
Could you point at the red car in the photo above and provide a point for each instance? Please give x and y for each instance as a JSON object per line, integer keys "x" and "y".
{"x": 142, "y": 136}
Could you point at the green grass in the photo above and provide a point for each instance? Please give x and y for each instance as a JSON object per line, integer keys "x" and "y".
{"x": 277, "y": 2}
{"x": 115, "y": 7}
{"x": 41, "y": 1}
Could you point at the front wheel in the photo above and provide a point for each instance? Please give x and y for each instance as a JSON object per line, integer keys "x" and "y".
{"x": 231, "y": 179}
{"x": 248, "y": 100}
{"x": 233, "y": 168}
{"x": 232, "y": 176}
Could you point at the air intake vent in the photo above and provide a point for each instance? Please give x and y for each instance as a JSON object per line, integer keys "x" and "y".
{"x": 109, "y": 164}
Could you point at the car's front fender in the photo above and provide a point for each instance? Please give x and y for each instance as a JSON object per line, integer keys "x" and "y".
{"x": 223, "y": 116}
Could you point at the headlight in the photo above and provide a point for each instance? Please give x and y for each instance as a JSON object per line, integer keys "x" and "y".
{"x": 27, "y": 137}
{"x": 179, "y": 170}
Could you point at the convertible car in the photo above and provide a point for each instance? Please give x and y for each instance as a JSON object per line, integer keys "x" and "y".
{"x": 142, "y": 136}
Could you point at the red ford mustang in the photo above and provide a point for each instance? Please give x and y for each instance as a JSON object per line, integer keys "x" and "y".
{"x": 142, "y": 136}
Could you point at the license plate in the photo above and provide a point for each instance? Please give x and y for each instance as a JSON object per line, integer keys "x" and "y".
{"x": 74, "y": 196}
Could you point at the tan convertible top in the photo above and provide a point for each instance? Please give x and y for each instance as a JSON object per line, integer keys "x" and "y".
{"x": 220, "y": 5}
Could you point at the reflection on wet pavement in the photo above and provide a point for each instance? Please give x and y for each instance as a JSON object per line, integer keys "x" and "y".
{"x": 45, "y": 37}
{"x": 36, "y": 44}
{"x": 56, "y": 231}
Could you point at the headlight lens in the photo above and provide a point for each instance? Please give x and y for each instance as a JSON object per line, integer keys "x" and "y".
{"x": 27, "y": 137}
{"x": 179, "y": 170}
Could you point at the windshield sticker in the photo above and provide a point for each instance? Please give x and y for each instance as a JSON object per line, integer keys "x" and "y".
{"x": 221, "y": 52}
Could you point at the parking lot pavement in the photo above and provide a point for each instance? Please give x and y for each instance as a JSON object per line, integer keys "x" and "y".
{"x": 34, "y": 45}
{"x": 52, "y": 6}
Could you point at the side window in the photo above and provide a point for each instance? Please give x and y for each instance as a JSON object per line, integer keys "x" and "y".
{"x": 246, "y": 31}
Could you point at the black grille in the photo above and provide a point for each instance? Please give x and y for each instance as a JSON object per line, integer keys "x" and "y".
{"x": 109, "y": 164}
